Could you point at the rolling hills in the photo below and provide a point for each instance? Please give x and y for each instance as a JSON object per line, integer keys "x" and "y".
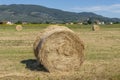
{"x": 40, "y": 14}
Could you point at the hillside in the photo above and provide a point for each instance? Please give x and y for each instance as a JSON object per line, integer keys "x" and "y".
{"x": 40, "y": 14}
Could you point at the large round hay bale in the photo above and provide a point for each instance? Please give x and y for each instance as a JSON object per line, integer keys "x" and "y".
{"x": 95, "y": 28}
{"x": 58, "y": 48}
{"x": 19, "y": 27}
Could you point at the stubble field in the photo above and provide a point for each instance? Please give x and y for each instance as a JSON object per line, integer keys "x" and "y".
{"x": 102, "y": 54}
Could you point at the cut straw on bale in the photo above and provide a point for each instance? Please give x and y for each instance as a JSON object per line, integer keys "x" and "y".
{"x": 95, "y": 28}
{"x": 19, "y": 28}
{"x": 58, "y": 48}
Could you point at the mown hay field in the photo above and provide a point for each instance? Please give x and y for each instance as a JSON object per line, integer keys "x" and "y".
{"x": 102, "y": 54}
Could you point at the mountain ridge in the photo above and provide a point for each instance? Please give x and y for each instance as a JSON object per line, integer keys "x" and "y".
{"x": 41, "y": 14}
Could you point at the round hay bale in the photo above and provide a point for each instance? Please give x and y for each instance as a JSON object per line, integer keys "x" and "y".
{"x": 19, "y": 28}
{"x": 58, "y": 48}
{"x": 95, "y": 28}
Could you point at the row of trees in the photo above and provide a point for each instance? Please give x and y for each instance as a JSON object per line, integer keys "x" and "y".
{"x": 85, "y": 22}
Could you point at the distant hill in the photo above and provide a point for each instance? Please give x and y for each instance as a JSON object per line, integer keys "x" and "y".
{"x": 40, "y": 14}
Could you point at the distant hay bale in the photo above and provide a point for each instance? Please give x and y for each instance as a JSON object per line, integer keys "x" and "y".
{"x": 95, "y": 28}
{"x": 58, "y": 48}
{"x": 19, "y": 28}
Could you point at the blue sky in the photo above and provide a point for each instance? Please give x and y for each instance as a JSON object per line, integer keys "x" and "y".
{"x": 108, "y": 8}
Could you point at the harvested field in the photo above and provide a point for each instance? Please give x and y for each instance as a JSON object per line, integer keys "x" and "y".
{"x": 102, "y": 55}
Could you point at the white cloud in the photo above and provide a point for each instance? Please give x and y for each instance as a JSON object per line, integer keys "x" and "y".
{"x": 115, "y": 8}
{"x": 116, "y": 5}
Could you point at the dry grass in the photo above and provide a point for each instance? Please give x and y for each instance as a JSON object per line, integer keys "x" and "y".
{"x": 102, "y": 56}
{"x": 95, "y": 28}
{"x": 58, "y": 48}
{"x": 19, "y": 27}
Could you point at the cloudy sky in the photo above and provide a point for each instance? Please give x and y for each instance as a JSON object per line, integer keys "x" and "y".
{"x": 108, "y": 8}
